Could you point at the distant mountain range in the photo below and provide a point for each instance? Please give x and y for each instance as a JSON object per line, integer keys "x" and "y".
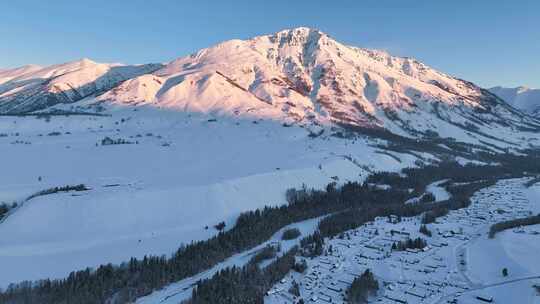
{"x": 523, "y": 98}
{"x": 30, "y": 88}
{"x": 300, "y": 76}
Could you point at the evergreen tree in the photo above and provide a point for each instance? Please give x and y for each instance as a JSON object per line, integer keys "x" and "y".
{"x": 362, "y": 287}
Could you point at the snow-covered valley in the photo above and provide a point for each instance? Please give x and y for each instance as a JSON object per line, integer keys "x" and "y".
{"x": 183, "y": 174}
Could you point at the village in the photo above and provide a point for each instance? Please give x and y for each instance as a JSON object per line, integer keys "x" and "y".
{"x": 436, "y": 273}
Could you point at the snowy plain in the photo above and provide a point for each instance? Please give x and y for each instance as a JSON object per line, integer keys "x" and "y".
{"x": 188, "y": 171}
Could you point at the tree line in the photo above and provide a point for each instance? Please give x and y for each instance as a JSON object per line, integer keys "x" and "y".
{"x": 362, "y": 287}
{"x": 242, "y": 285}
{"x": 417, "y": 243}
{"x": 425, "y": 231}
{"x": 290, "y": 234}
{"x": 501, "y": 226}
{"x": 4, "y": 209}
{"x": 53, "y": 190}
{"x": 266, "y": 253}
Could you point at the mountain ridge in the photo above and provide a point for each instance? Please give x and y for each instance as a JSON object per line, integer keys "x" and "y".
{"x": 522, "y": 97}
{"x": 29, "y": 89}
{"x": 299, "y": 75}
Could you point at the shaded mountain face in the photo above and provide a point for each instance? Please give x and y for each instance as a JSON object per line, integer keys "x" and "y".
{"x": 32, "y": 88}
{"x": 522, "y": 98}
{"x": 298, "y": 76}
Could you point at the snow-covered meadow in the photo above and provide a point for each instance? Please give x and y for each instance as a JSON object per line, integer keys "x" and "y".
{"x": 186, "y": 172}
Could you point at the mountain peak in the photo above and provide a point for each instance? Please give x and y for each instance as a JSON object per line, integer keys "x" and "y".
{"x": 522, "y": 98}
{"x": 295, "y": 36}
{"x": 522, "y": 89}
{"x": 85, "y": 62}
{"x": 299, "y": 31}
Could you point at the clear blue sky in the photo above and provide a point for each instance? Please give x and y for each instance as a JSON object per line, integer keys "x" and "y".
{"x": 489, "y": 42}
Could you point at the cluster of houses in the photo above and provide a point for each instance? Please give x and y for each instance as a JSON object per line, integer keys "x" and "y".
{"x": 413, "y": 275}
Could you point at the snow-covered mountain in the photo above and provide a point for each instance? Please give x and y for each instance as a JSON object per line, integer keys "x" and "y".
{"x": 523, "y": 98}
{"x": 306, "y": 76}
{"x": 32, "y": 88}
{"x": 298, "y": 76}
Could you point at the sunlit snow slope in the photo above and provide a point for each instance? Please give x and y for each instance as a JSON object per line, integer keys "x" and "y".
{"x": 295, "y": 76}
{"x": 31, "y": 88}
